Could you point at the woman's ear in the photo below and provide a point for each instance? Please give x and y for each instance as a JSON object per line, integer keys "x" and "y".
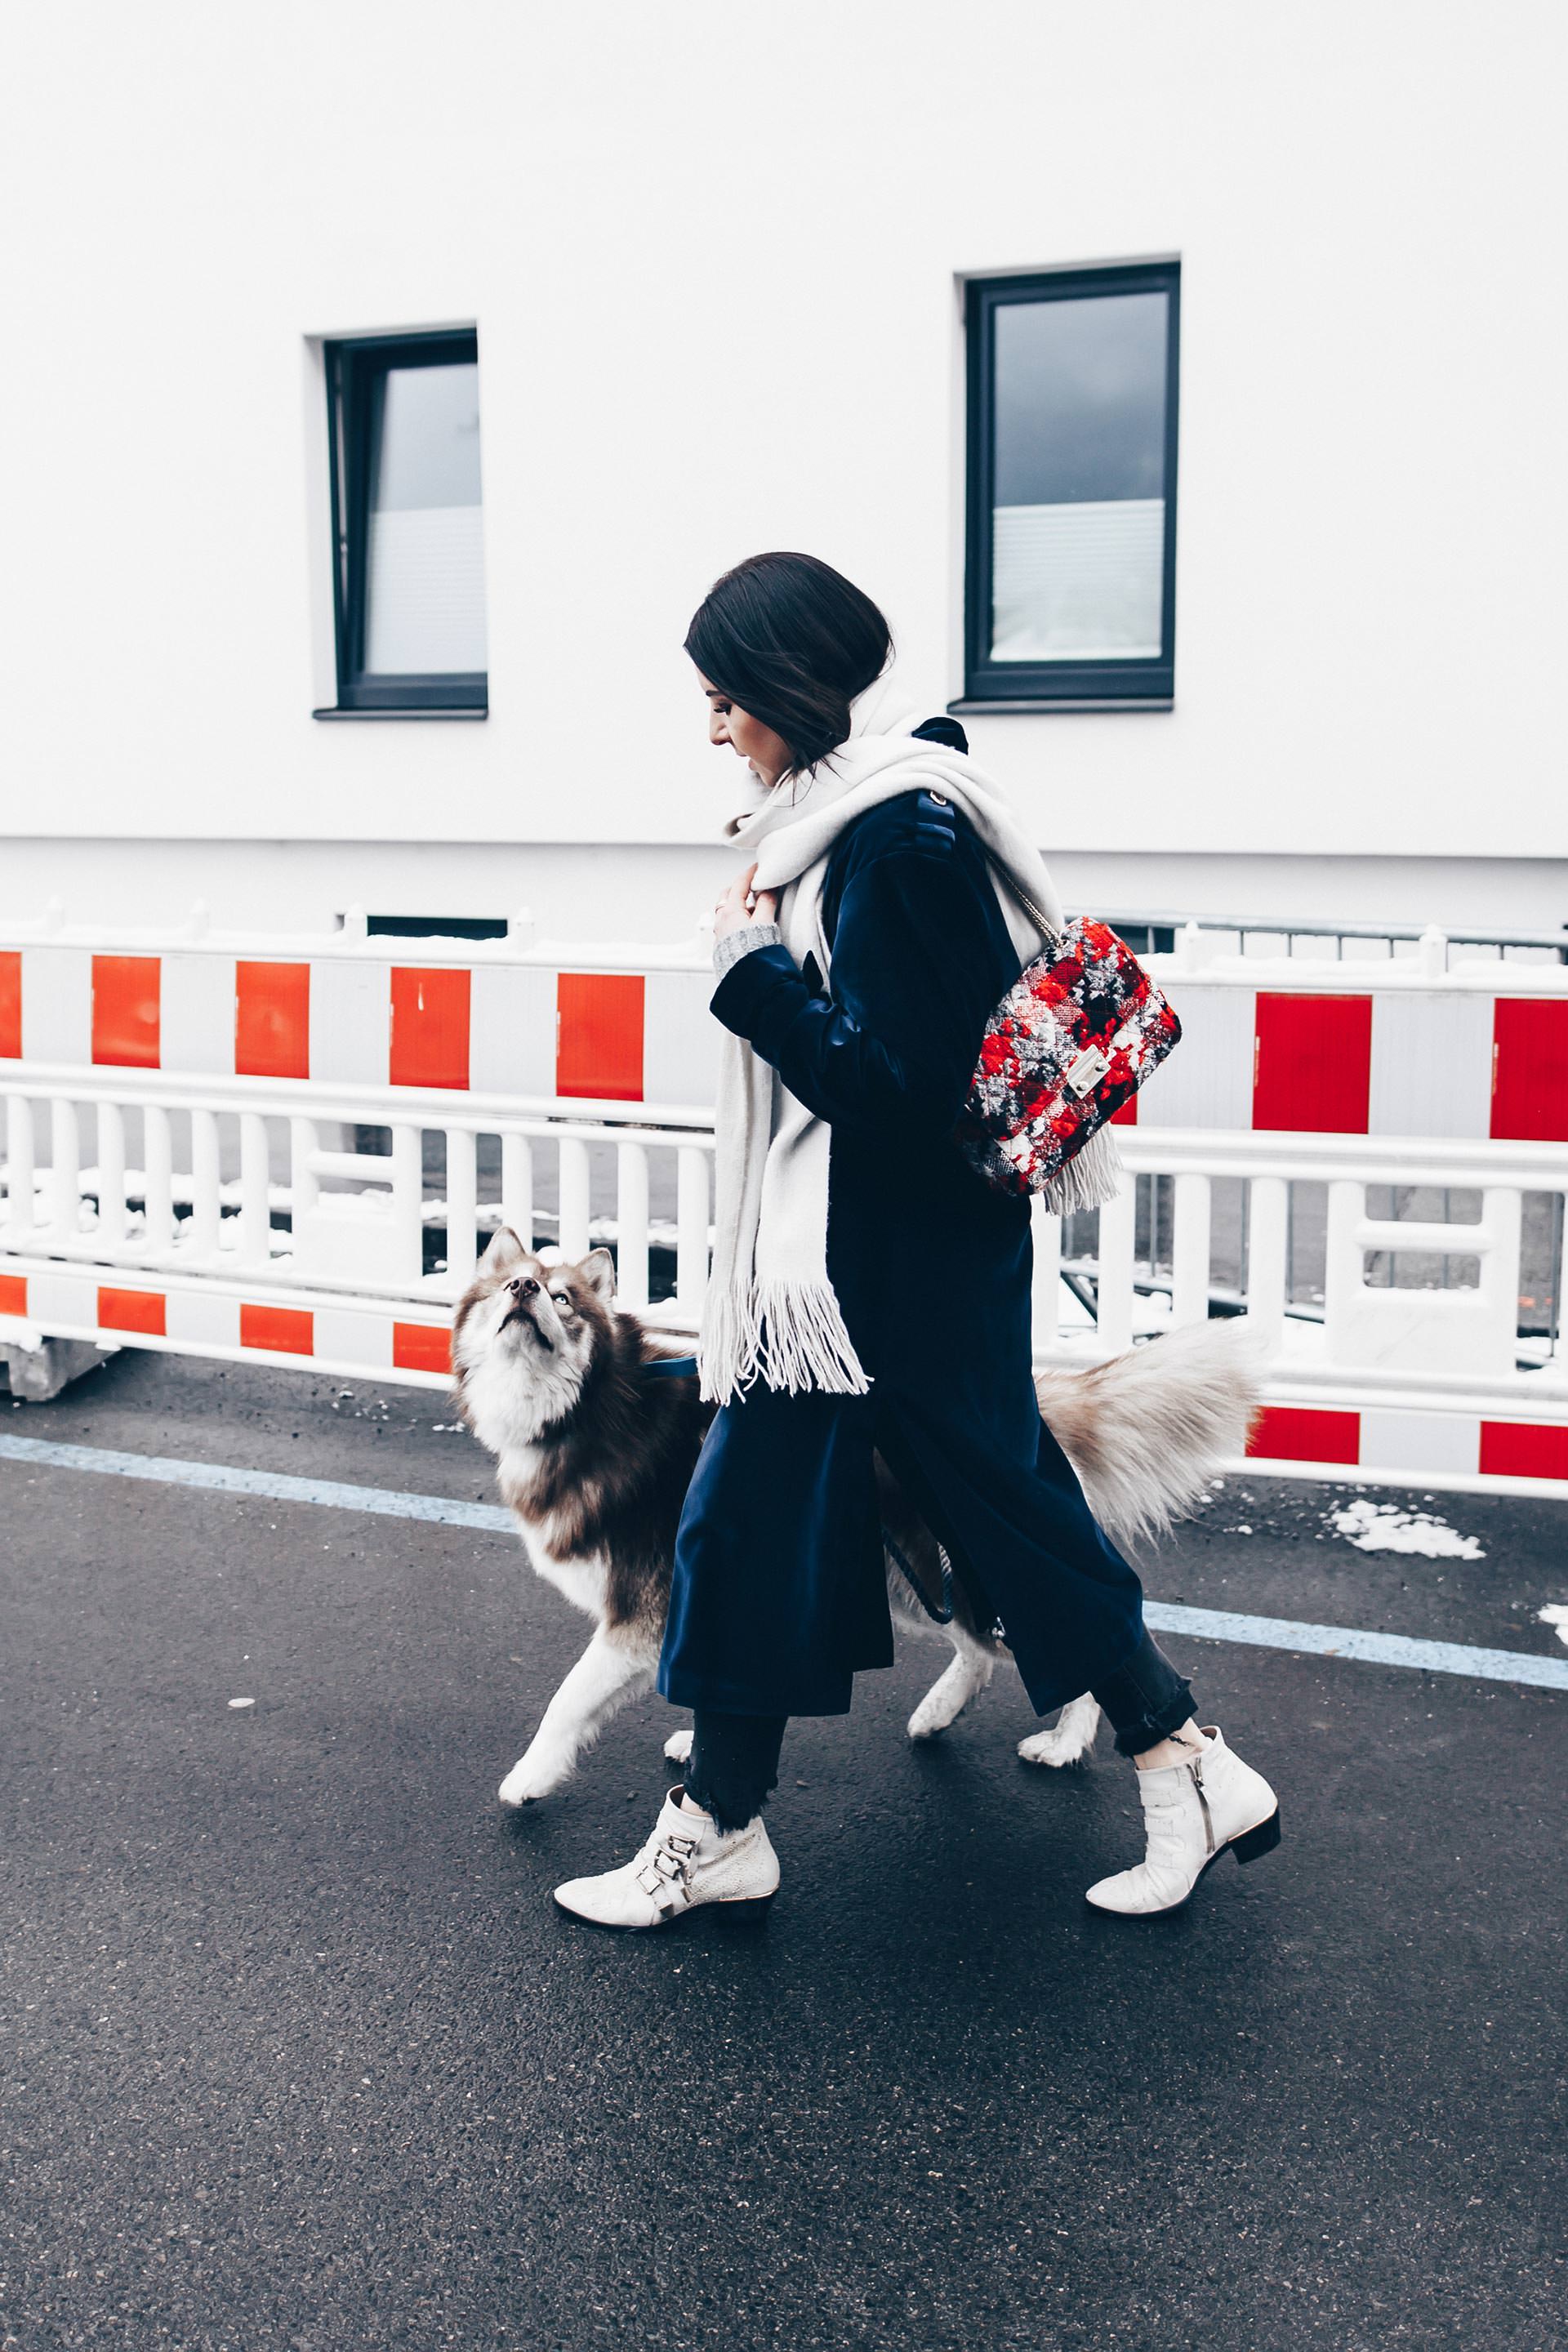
{"x": 598, "y": 1271}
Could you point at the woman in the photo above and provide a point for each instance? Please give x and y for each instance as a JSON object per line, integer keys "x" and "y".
{"x": 869, "y": 1290}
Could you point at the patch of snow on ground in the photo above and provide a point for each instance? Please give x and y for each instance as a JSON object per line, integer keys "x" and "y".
{"x": 1555, "y": 1613}
{"x": 1383, "y": 1526}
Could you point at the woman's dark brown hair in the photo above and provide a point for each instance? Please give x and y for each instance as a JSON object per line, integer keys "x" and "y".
{"x": 792, "y": 642}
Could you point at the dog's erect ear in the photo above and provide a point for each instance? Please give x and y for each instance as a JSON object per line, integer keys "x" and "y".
{"x": 504, "y": 1252}
{"x": 598, "y": 1271}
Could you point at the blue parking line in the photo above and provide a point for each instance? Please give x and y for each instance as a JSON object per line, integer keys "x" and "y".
{"x": 1163, "y": 1616}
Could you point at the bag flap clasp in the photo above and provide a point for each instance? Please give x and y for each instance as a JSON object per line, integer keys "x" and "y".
{"x": 1085, "y": 1071}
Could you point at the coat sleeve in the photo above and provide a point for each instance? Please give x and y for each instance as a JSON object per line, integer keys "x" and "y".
{"x": 913, "y": 985}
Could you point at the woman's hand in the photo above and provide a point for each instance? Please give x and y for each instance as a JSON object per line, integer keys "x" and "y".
{"x": 741, "y": 904}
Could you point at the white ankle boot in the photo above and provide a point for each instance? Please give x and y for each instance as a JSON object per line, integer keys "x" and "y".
{"x": 687, "y": 1861}
{"x": 1192, "y": 1813}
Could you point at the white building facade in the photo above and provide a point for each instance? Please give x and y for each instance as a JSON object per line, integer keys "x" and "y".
{"x": 722, "y": 267}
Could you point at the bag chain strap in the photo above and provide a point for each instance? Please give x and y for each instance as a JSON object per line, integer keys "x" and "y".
{"x": 1048, "y": 930}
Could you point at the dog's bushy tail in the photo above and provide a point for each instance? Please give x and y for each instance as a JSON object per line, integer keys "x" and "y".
{"x": 1145, "y": 1431}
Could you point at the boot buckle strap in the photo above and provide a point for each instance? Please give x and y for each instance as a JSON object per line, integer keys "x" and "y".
{"x": 665, "y": 1886}
{"x": 666, "y": 1866}
{"x": 666, "y": 1895}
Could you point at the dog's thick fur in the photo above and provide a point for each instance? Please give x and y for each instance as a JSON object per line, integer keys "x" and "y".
{"x": 595, "y": 1456}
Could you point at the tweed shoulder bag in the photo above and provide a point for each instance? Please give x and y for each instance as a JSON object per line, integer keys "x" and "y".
{"x": 1073, "y": 1039}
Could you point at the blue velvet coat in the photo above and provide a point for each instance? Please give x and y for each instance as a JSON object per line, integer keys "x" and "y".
{"x": 779, "y": 1594}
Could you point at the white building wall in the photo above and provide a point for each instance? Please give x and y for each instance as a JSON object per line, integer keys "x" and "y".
{"x": 713, "y": 255}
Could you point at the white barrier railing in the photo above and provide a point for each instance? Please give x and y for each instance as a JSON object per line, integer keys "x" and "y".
{"x": 216, "y": 1200}
{"x": 1425, "y": 1346}
{"x": 109, "y": 1212}
{"x": 243, "y": 1193}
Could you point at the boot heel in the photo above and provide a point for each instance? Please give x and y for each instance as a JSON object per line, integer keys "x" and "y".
{"x": 1262, "y": 1840}
{"x": 740, "y": 1921}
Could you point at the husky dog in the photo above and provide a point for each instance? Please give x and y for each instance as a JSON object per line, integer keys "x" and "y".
{"x": 594, "y": 1454}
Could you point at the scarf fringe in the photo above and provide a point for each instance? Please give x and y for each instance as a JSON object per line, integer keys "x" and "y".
{"x": 791, "y": 1336}
{"x": 728, "y": 1341}
{"x": 1089, "y": 1178}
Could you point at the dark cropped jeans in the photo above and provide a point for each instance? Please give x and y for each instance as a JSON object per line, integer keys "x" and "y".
{"x": 735, "y": 1761}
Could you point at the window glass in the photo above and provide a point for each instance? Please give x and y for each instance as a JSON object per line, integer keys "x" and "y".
{"x": 1078, "y": 498}
{"x": 425, "y": 592}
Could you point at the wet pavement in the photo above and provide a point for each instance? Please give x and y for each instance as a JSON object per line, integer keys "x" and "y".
{"x": 298, "y": 2054}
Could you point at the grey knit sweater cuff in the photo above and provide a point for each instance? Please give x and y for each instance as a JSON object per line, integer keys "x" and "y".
{"x": 742, "y": 942}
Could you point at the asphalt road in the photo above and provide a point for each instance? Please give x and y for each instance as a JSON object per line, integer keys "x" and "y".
{"x": 298, "y": 2057}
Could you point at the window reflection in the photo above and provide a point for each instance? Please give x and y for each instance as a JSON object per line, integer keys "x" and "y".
{"x": 1079, "y": 511}
{"x": 425, "y": 593}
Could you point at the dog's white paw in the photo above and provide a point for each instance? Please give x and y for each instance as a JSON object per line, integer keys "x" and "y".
{"x": 677, "y": 1747}
{"x": 532, "y": 1776}
{"x": 1069, "y": 1739}
{"x": 1050, "y": 1747}
{"x": 948, "y": 1697}
{"x": 929, "y": 1718}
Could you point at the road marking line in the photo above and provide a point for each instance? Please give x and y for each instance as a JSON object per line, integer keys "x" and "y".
{"x": 1163, "y": 1616}
{"x": 384, "y": 1501}
{"x": 1369, "y": 1649}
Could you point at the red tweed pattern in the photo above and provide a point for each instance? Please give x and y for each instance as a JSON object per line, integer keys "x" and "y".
{"x": 1022, "y": 1122}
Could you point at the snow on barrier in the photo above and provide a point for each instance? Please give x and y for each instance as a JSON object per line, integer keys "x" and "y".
{"x": 242, "y": 1147}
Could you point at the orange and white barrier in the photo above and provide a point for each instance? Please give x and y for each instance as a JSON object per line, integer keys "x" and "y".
{"x": 1396, "y": 1048}
{"x": 169, "y": 1101}
{"x": 347, "y": 1015}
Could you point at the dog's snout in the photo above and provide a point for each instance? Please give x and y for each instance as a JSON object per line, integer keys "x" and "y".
{"x": 523, "y": 1285}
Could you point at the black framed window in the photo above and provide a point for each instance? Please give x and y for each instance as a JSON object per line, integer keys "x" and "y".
{"x": 1072, "y": 554}
{"x": 407, "y": 526}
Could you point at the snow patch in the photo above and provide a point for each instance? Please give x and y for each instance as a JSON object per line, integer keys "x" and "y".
{"x": 1555, "y": 1613}
{"x": 1383, "y": 1526}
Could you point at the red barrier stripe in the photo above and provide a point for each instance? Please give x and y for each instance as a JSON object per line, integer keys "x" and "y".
{"x": 1293, "y": 1434}
{"x": 11, "y": 1005}
{"x": 285, "y": 1330}
{"x": 131, "y": 1310}
{"x": 126, "y": 1011}
{"x": 1523, "y": 1449}
{"x": 422, "y": 1347}
{"x": 1530, "y": 1069}
{"x": 429, "y": 1028}
{"x": 1311, "y": 1070}
{"x": 272, "y": 1020}
{"x": 599, "y": 1035}
{"x": 12, "y": 1293}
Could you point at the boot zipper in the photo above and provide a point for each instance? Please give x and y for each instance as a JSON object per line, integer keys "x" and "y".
{"x": 1197, "y": 1771}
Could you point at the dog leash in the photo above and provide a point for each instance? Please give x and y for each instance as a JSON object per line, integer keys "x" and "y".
{"x": 942, "y": 1616}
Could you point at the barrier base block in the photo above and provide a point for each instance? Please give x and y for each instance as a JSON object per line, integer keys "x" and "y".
{"x": 36, "y": 1374}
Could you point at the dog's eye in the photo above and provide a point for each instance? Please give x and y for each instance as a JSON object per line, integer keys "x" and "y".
{"x": 564, "y": 1301}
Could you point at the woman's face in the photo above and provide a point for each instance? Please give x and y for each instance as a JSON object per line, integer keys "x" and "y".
{"x": 765, "y": 754}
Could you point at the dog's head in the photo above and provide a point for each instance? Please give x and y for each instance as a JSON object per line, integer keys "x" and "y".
{"x": 524, "y": 1338}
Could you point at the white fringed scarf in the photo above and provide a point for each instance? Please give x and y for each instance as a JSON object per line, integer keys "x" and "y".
{"x": 770, "y": 1311}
